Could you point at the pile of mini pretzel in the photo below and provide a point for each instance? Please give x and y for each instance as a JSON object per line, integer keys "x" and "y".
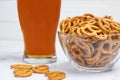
{"x": 25, "y": 70}
{"x": 91, "y": 41}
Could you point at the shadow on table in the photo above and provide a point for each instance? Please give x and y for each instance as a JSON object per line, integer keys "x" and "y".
{"x": 69, "y": 69}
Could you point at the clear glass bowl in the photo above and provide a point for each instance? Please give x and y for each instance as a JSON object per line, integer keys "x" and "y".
{"x": 89, "y": 53}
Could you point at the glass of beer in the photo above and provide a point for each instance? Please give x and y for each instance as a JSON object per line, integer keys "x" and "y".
{"x": 38, "y": 21}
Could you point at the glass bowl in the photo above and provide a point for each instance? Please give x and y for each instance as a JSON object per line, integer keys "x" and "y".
{"x": 91, "y": 53}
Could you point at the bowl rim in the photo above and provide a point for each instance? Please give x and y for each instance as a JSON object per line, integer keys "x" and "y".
{"x": 59, "y": 32}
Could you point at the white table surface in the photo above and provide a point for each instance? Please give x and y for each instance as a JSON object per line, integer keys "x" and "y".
{"x": 11, "y": 52}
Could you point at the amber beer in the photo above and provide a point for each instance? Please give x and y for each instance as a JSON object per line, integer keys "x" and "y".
{"x": 39, "y": 20}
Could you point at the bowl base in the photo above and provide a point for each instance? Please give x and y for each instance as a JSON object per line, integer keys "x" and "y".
{"x": 44, "y": 60}
{"x": 86, "y": 69}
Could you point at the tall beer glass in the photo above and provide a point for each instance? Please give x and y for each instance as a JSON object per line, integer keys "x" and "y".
{"x": 38, "y": 21}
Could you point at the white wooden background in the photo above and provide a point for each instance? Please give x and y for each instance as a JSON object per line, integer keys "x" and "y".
{"x": 9, "y": 25}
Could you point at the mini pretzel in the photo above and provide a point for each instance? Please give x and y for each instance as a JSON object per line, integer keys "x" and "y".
{"x": 21, "y": 66}
{"x": 41, "y": 69}
{"x": 92, "y": 61}
{"x": 88, "y": 51}
{"x": 79, "y": 60}
{"x": 89, "y": 15}
{"x": 65, "y": 25}
{"x": 56, "y": 75}
{"x": 103, "y": 25}
{"x": 76, "y": 56}
{"x": 90, "y": 30}
{"x": 78, "y": 31}
{"x": 22, "y": 73}
{"x": 116, "y": 38}
{"x": 80, "y": 38}
{"x": 86, "y": 48}
{"x": 75, "y": 53}
{"x": 82, "y": 48}
{"x": 75, "y": 21}
{"x": 108, "y": 46}
{"x": 92, "y": 21}
{"x": 81, "y": 18}
{"x": 104, "y": 60}
{"x": 114, "y": 32}
{"x": 73, "y": 30}
{"x": 101, "y": 36}
{"x": 74, "y": 50}
{"x": 115, "y": 25}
